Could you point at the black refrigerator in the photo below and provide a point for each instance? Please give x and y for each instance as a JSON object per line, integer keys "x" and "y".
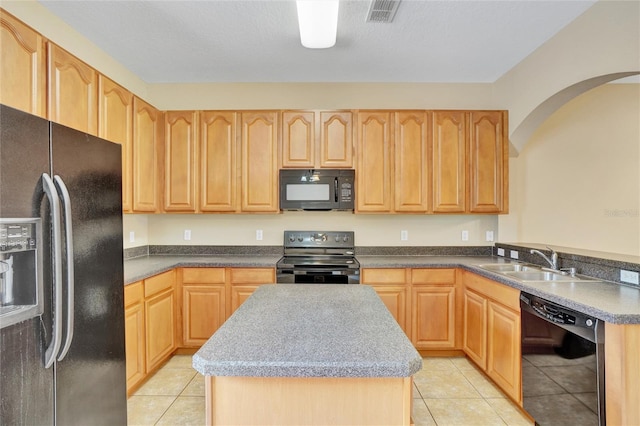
{"x": 63, "y": 363}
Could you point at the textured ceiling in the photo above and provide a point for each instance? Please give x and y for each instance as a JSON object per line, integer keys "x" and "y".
{"x": 258, "y": 41}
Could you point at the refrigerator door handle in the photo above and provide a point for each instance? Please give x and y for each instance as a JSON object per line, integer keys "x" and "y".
{"x": 56, "y": 335}
{"x": 66, "y": 205}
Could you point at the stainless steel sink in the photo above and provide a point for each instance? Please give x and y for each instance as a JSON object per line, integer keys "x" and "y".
{"x": 508, "y": 267}
{"x": 540, "y": 276}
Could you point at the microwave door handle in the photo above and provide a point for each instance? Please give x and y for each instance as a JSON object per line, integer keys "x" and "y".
{"x": 66, "y": 204}
{"x": 56, "y": 334}
{"x": 335, "y": 189}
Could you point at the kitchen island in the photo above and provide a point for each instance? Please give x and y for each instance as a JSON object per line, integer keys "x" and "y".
{"x": 309, "y": 354}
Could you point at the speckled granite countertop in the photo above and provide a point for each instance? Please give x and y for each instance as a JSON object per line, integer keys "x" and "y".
{"x": 608, "y": 301}
{"x": 323, "y": 330}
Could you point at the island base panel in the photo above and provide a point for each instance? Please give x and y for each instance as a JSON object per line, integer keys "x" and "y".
{"x": 308, "y": 400}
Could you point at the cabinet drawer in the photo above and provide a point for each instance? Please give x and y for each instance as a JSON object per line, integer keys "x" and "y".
{"x": 433, "y": 276}
{"x": 133, "y": 293}
{"x": 384, "y": 276}
{"x": 203, "y": 275}
{"x": 252, "y": 276}
{"x": 507, "y": 296}
{"x": 159, "y": 283}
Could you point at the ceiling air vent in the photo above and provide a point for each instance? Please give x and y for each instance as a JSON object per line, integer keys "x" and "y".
{"x": 382, "y": 10}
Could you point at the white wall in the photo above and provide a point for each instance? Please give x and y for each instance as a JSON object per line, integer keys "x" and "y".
{"x": 577, "y": 181}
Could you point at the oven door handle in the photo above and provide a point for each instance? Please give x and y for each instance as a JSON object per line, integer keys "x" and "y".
{"x": 321, "y": 271}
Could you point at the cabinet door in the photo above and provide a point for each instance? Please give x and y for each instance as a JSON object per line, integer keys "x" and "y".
{"x": 146, "y": 135}
{"x": 504, "y": 362}
{"x": 488, "y": 162}
{"x": 298, "y": 139}
{"x": 159, "y": 324}
{"x": 22, "y": 66}
{"x": 336, "y": 139}
{"x": 180, "y": 161}
{"x": 374, "y": 162}
{"x": 433, "y": 312}
{"x": 115, "y": 123}
{"x": 449, "y": 161}
{"x": 260, "y": 162}
{"x": 134, "y": 344}
{"x": 474, "y": 340}
{"x": 244, "y": 281}
{"x": 218, "y": 162}
{"x": 203, "y": 312}
{"x": 411, "y": 182}
{"x": 395, "y": 299}
{"x": 240, "y": 293}
{"x": 72, "y": 97}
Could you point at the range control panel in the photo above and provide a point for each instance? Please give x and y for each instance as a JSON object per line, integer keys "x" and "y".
{"x": 327, "y": 239}
{"x": 18, "y": 236}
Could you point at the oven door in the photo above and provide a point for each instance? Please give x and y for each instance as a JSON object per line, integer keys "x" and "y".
{"x": 317, "y": 276}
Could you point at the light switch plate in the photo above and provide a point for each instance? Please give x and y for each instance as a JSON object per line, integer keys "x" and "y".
{"x": 500, "y": 252}
{"x": 489, "y": 236}
{"x": 514, "y": 254}
{"x": 259, "y": 234}
{"x": 132, "y": 237}
{"x": 465, "y": 235}
{"x": 629, "y": 277}
{"x": 404, "y": 235}
{"x": 187, "y": 234}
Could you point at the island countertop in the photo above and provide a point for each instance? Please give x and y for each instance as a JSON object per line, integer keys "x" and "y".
{"x": 325, "y": 330}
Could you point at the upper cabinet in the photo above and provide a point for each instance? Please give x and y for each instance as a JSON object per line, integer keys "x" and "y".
{"x": 411, "y": 166}
{"x": 72, "y": 95}
{"x": 22, "y": 66}
{"x": 218, "y": 161}
{"x": 259, "y": 142}
{"x": 488, "y": 162}
{"x": 147, "y": 131}
{"x": 373, "y": 173}
{"x": 115, "y": 123}
{"x": 180, "y": 161}
{"x": 317, "y": 139}
{"x": 449, "y": 161}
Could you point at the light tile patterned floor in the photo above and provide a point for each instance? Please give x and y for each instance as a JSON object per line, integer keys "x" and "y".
{"x": 447, "y": 391}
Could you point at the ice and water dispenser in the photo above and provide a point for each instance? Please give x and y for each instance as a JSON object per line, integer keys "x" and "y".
{"x": 20, "y": 270}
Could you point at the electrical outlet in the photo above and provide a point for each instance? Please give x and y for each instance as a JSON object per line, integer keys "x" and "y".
{"x": 465, "y": 235}
{"x": 629, "y": 277}
{"x": 132, "y": 237}
{"x": 500, "y": 252}
{"x": 488, "y": 236}
{"x": 187, "y": 234}
{"x": 404, "y": 235}
{"x": 259, "y": 234}
{"x": 514, "y": 254}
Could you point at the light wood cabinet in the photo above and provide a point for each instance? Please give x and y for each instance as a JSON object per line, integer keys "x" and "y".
{"x": 22, "y": 66}
{"x": 492, "y": 331}
{"x": 147, "y": 131}
{"x": 180, "y": 161}
{"x": 412, "y": 169}
{"x": 449, "y": 161}
{"x": 488, "y": 162}
{"x": 218, "y": 161}
{"x": 160, "y": 318}
{"x": 134, "y": 334}
{"x": 115, "y": 123}
{"x": 244, "y": 281}
{"x": 203, "y": 304}
{"x": 259, "y": 136}
{"x": 336, "y": 139}
{"x": 373, "y": 174}
{"x": 391, "y": 284}
{"x": 433, "y": 310}
{"x": 72, "y": 95}
{"x": 299, "y": 139}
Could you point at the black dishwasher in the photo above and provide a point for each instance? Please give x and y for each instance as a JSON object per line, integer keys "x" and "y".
{"x": 562, "y": 364}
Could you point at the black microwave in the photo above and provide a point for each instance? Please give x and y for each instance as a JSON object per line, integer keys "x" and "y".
{"x": 317, "y": 189}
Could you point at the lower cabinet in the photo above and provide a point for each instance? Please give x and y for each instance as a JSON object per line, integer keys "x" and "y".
{"x": 203, "y": 304}
{"x": 160, "y": 318}
{"x": 391, "y": 285}
{"x": 244, "y": 281}
{"x": 433, "y": 309}
{"x": 491, "y": 331}
{"x": 134, "y": 333}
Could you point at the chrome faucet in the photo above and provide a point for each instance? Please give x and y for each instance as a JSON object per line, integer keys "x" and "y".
{"x": 553, "y": 262}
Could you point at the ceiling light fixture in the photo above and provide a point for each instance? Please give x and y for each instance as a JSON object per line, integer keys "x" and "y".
{"x": 318, "y": 22}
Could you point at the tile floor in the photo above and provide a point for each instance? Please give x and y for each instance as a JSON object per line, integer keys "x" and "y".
{"x": 447, "y": 391}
